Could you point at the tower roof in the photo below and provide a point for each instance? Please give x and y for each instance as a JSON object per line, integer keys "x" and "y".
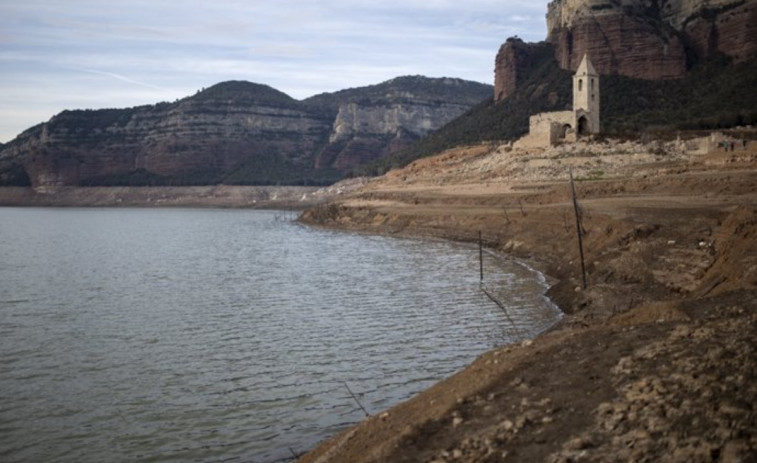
{"x": 586, "y": 68}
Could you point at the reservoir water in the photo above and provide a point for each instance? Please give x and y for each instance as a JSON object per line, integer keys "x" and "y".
{"x": 169, "y": 335}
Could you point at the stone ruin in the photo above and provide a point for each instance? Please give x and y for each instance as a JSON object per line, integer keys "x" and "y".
{"x": 549, "y": 129}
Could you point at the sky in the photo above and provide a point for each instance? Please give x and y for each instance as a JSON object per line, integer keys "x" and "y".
{"x": 91, "y": 54}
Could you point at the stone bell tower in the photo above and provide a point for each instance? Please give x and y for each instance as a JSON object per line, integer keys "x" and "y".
{"x": 586, "y": 98}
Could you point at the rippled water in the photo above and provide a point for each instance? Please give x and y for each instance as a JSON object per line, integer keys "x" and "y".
{"x": 227, "y": 335}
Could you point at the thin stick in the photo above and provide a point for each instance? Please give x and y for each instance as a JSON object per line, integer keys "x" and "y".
{"x": 481, "y": 254}
{"x": 578, "y": 229}
{"x": 499, "y": 304}
{"x": 357, "y": 401}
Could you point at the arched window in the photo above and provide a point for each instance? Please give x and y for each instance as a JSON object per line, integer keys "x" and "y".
{"x": 592, "y": 84}
{"x": 580, "y": 85}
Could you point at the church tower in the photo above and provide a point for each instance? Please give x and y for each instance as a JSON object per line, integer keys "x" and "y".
{"x": 586, "y": 98}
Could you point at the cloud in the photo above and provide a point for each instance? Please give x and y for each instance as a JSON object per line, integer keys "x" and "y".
{"x": 119, "y": 77}
{"x": 129, "y": 52}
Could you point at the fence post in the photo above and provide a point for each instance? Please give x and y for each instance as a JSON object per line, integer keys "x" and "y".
{"x": 481, "y": 255}
{"x": 578, "y": 229}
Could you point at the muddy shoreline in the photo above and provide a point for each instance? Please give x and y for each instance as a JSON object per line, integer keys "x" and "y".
{"x": 268, "y": 197}
{"x": 654, "y": 360}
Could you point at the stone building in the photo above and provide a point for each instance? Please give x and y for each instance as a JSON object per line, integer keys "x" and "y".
{"x": 547, "y": 129}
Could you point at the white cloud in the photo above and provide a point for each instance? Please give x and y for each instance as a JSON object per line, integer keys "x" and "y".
{"x": 90, "y": 54}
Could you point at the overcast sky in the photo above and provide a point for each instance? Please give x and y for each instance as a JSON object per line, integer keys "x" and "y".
{"x": 79, "y": 54}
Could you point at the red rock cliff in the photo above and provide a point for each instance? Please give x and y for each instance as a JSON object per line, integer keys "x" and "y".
{"x": 647, "y": 39}
{"x": 514, "y": 60}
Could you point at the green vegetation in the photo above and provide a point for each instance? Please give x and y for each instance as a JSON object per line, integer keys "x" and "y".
{"x": 90, "y": 120}
{"x": 270, "y": 168}
{"x": 547, "y": 88}
{"x": 440, "y": 90}
{"x": 591, "y": 176}
{"x": 243, "y": 92}
{"x": 262, "y": 169}
{"x": 140, "y": 177}
{"x": 13, "y": 175}
{"x": 714, "y": 95}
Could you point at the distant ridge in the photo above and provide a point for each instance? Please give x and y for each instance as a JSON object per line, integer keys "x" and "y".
{"x": 235, "y": 132}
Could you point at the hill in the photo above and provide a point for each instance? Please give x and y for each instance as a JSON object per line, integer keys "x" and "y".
{"x": 237, "y": 133}
{"x": 714, "y": 94}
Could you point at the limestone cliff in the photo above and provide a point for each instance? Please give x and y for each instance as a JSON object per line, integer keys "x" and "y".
{"x": 234, "y": 132}
{"x": 647, "y": 39}
{"x": 376, "y": 121}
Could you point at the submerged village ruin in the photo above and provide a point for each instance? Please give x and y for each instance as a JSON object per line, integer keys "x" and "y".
{"x": 548, "y": 129}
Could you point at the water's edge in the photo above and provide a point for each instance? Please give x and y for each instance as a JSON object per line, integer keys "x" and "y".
{"x": 169, "y": 301}
{"x": 531, "y": 265}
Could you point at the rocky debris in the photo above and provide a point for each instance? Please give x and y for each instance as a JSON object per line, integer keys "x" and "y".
{"x": 338, "y": 189}
{"x": 687, "y": 397}
{"x": 492, "y": 446}
{"x": 680, "y": 392}
{"x": 654, "y": 361}
{"x": 587, "y": 159}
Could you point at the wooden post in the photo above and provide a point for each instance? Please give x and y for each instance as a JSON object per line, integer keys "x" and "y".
{"x": 578, "y": 229}
{"x": 481, "y": 255}
{"x": 357, "y": 401}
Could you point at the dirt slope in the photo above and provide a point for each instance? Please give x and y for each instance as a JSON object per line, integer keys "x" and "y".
{"x": 656, "y": 358}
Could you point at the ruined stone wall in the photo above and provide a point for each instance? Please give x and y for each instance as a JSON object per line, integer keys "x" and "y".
{"x": 546, "y": 129}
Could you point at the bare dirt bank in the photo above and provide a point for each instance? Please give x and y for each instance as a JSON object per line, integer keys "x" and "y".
{"x": 197, "y": 196}
{"x": 655, "y": 360}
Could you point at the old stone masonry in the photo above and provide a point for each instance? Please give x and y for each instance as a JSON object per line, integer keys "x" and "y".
{"x": 547, "y": 129}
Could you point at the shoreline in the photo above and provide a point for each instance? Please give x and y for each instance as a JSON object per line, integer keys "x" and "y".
{"x": 221, "y": 196}
{"x": 656, "y": 359}
{"x": 635, "y": 367}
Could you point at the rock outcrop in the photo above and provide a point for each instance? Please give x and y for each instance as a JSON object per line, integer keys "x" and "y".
{"x": 628, "y": 38}
{"x": 515, "y": 60}
{"x": 234, "y": 132}
{"x": 376, "y": 121}
{"x": 646, "y": 39}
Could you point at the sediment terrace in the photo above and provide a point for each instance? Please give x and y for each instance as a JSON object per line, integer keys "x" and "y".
{"x": 188, "y": 196}
{"x": 654, "y": 361}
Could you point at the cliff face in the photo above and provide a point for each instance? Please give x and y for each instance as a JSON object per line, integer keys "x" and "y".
{"x": 647, "y": 39}
{"x": 377, "y": 121}
{"x": 627, "y": 38}
{"x": 513, "y": 60}
{"x": 235, "y": 132}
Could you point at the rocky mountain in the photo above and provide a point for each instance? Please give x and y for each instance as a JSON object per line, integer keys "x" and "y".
{"x": 235, "y": 133}
{"x": 647, "y": 39}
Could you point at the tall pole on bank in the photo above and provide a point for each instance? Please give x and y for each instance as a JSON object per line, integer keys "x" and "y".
{"x": 481, "y": 255}
{"x": 578, "y": 229}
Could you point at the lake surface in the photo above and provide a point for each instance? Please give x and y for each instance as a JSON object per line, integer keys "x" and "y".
{"x": 228, "y": 335}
